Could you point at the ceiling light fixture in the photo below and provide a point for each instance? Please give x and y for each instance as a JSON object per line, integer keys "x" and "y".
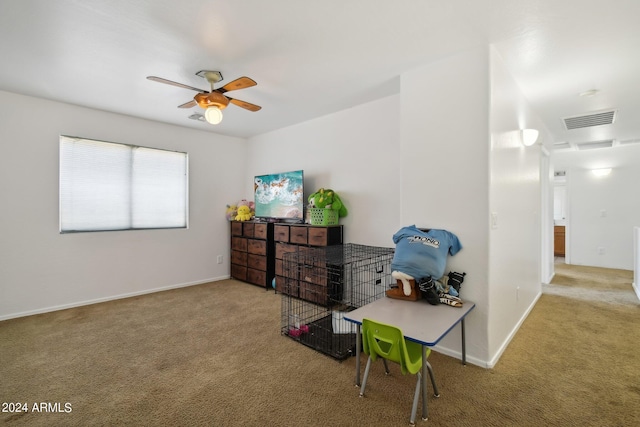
{"x": 529, "y": 136}
{"x": 213, "y": 115}
{"x": 213, "y": 103}
{"x": 601, "y": 172}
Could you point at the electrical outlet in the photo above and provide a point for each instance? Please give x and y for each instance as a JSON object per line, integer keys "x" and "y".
{"x": 220, "y": 259}
{"x": 518, "y": 293}
{"x": 601, "y": 250}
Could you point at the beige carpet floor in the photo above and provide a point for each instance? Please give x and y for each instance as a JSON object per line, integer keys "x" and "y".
{"x": 592, "y": 277}
{"x": 213, "y": 355}
{"x": 592, "y": 284}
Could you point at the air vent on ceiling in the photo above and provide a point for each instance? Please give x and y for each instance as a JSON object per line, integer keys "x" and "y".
{"x": 560, "y": 173}
{"x": 561, "y": 145}
{"x": 589, "y": 120}
{"x": 594, "y": 144}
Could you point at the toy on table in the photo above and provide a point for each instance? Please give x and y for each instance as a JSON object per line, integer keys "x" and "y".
{"x": 419, "y": 263}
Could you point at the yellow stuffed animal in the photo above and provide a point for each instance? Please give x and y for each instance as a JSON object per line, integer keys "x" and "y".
{"x": 231, "y": 212}
{"x": 244, "y": 213}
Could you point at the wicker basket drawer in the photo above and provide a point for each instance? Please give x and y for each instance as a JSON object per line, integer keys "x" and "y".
{"x": 258, "y": 247}
{"x": 238, "y": 272}
{"x": 314, "y": 293}
{"x": 260, "y": 231}
{"x": 317, "y": 275}
{"x": 281, "y": 233}
{"x": 287, "y": 286}
{"x": 239, "y": 244}
{"x": 298, "y": 235}
{"x": 256, "y": 277}
{"x": 248, "y": 229}
{"x": 259, "y": 262}
{"x": 283, "y": 248}
{"x": 238, "y": 257}
{"x": 236, "y": 229}
{"x": 289, "y": 269}
{"x": 325, "y": 236}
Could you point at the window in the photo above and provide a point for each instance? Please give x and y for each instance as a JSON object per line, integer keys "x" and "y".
{"x": 106, "y": 186}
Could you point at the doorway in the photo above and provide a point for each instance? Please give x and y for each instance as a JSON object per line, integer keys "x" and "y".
{"x": 560, "y": 217}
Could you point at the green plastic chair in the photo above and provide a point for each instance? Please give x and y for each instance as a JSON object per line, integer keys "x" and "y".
{"x": 388, "y": 343}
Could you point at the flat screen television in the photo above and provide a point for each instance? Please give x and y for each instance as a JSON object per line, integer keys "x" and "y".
{"x": 279, "y": 196}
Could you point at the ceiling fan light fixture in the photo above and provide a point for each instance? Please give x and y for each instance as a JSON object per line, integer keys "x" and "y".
{"x": 213, "y": 102}
{"x": 212, "y": 99}
{"x": 213, "y": 115}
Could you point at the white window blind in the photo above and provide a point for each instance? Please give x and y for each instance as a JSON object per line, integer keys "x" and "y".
{"x": 106, "y": 186}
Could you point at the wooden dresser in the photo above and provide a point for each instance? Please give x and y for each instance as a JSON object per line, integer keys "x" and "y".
{"x": 295, "y": 238}
{"x": 252, "y": 252}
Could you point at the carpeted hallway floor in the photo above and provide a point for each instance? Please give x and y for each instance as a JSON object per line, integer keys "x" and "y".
{"x": 592, "y": 284}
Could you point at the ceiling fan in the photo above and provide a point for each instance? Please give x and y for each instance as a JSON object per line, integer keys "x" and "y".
{"x": 215, "y": 101}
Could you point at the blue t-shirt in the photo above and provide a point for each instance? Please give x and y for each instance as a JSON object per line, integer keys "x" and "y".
{"x": 423, "y": 253}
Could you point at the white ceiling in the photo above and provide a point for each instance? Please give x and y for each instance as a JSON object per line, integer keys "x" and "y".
{"x": 314, "y": 58}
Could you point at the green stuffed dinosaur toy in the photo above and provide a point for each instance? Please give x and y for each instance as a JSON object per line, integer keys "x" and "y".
{"x": 328, "y": 199}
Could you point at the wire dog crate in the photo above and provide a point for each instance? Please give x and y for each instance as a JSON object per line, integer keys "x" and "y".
{"x": 323, "y": 283}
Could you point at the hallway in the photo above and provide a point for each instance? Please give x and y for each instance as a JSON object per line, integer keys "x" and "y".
{"x": 592, "y": 284}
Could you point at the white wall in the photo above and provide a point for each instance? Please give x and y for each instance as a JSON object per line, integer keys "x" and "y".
{"x": 42, "y": 270}
{"x": 354, "y": 152}
{"x": 602, "y": 211}
{"x": 445, "y": 173}
{"x": 515, "y": 202}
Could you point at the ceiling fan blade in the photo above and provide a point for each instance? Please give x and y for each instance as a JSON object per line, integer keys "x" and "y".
{"x": 241, "y": 83}
{"x": 245, "y": 105}
{"x": 189, "y": 104}
{"x": 169, "y": 82}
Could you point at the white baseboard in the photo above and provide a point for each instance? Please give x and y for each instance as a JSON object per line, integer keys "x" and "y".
{"x": 109, "y": 298}
{"x": 636, "y": 289}
{"x": 458, "y": 355}
{"x": 515, "y": 329}
{"x": 489, "y": 364}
